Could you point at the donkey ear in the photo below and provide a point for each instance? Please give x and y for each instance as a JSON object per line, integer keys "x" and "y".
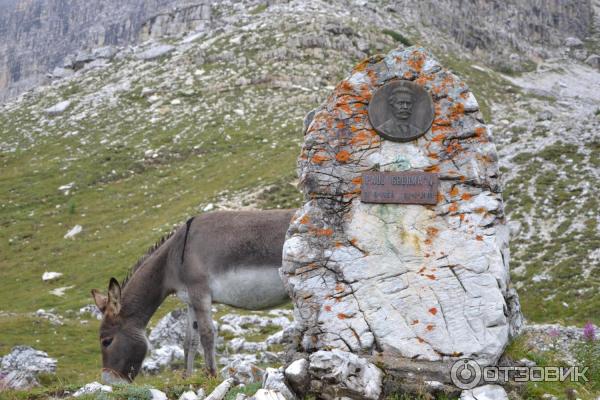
{"x": 114, "y": 296}
{"x": 100, "y": 300}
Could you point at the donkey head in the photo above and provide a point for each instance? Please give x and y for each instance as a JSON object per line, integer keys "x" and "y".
{"x": 123, "y": 344}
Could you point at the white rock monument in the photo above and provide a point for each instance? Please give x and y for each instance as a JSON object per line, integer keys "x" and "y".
{"x": 411, "y": 288}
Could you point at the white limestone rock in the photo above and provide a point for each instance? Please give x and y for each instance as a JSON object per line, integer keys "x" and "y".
{"x": 243, "y": 369}
{"x": 58, "y": 108}
{"x": 19, "y": 369}
{"x": 297, "y": 375}
{"x": 92, "y": 388}
{"x": 221, "y": 391}
{"x": 335, "y": 370}
{"x": 265, "y": 394}
{"x": 189, "y": 395}
{"x": 486, "y": 392}
{"x": 162, "y": 357}
{"x": 274, "y": 379}
{"x": 158, "y": 395}
{"x": 155, "y": 52}
{"x": 425, "y": 283}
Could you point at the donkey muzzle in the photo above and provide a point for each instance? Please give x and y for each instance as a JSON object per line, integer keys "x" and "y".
{"x": 112, "y": 377}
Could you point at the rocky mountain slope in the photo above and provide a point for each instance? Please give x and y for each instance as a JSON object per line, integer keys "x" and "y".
{"x": 36, "y": 36}
{"x": 129, "y": 144}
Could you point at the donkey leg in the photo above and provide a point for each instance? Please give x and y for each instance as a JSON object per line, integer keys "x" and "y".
{"x": 204, "y": 326}
{"x": 191, "y": 342}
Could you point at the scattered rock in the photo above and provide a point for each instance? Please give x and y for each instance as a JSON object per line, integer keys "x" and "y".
{"x": 221, "y": 391}
{"x": 200, "y": 393}
{"x": 243, "y": 369}
{"x": 66, "y": 188}
{"x": 92, "y": 310}
{"x": 189, "y": 395}
{"x": 147, "y": 92}
{"x": 58, "y": 108}
{"x": 53, "y": 318}
{"x": 593, "y": 61}
{"x": 50, "y": 276}
{"x": 92, "y": 388}
{"x": 158, "y": 395}
{"x": 573, "y": 42}
{"x": 208, "y": 207}
{"x": 241, "y": 396}
{"x": 106, "y": 52}
{"x": 155, "y": 52}
{"x": 162, "y": 357}
{"x": 274, "y": 379}
{"x": 60, "y": 292}
{"x": 76, "y": 230}
{"x": 20, "y": 368}
{"x": 336, "y": 370}
{"x": 297, "y": 375}
{"x": 264, "y": 394}
{"x": 545, "y": 115}
{"x": 486, "y": 392}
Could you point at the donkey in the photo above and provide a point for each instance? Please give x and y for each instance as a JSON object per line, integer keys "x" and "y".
{"x": 228, "y": 257}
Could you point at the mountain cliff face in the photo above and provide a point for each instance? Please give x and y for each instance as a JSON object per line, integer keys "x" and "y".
{"x": 35, "y": 36}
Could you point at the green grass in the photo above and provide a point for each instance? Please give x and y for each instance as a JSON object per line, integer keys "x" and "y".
{"x": 398, "y": 37}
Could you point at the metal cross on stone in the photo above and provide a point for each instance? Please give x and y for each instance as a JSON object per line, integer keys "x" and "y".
{"x": 404, "y": 264}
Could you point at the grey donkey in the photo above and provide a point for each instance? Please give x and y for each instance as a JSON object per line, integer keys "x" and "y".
{"x": 219, "y": 257}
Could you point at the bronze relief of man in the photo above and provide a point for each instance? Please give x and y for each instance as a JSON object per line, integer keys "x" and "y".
{"x": 401, "y": 111}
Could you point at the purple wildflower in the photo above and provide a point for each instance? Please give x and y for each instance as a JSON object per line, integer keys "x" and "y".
{"x": 589, "y": 332}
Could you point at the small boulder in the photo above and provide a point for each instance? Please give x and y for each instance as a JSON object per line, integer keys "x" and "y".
{"x": 58, "y": 108}
{"x": 593, "y": 61}
{"x": 297, "y": 375}
{"x": 242, "y": 370}
{"x": 76, "y": 230}
{"x": 545, "y": 115}
{"x": 486, "y": 392}
{"x": 158, "y": 395}
{"x": 50, "y": 276}
{"x": 274, "y": 379}
{"x": 573, "y": 42}
{"x": 221, "y": 391}
{"x": 336, "y": 370}
{"x": 20, "y": 368}
{"x": 155, "y": 52}
{"x": 92, "y": 388}
{"x": 189, "y": 395}
{"x": 264, "y": 394}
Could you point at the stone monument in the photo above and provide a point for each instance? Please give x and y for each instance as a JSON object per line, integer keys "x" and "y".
{"x": 399, "y": 257}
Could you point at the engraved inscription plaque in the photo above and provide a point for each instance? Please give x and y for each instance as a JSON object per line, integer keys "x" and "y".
{"x": 399, "y": 187}
{"x": 401, "y": 111}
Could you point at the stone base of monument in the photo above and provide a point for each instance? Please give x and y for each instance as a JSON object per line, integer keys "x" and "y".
{"x": 397, "y": 264}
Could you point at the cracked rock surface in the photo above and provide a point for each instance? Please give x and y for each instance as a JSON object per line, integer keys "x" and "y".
{"x": 428, "y": 283}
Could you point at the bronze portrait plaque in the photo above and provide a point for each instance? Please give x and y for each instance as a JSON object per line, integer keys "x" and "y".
{"x": 399, "y": 187}
{"x": 401, "y": 111}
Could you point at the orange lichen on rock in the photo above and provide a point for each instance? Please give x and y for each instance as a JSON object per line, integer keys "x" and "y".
{"x": 466, "y": 196}
{"x": 342, "y": 316}
{"x": 415, "y": 321}
{"x": 431, "y": 277}
{"x": 430, "y": 327}
{"x": 319, "y": 158}
{"x": 305, "y": 219}
{"x": 324, "y": 232}
{"x": 343, "y": 156}
{"x": 416, "y": 61}
{"x": 357, "y": 181}
{"x": 327, "y": 308}
{"x": 433, "y": 168}
{"x": 453, "y": 207}
{"x": 479, "y": 237}
{"x": 433, "y": 310}
{"x": 454, "y": 191}
{"x": 457, "y": 111}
